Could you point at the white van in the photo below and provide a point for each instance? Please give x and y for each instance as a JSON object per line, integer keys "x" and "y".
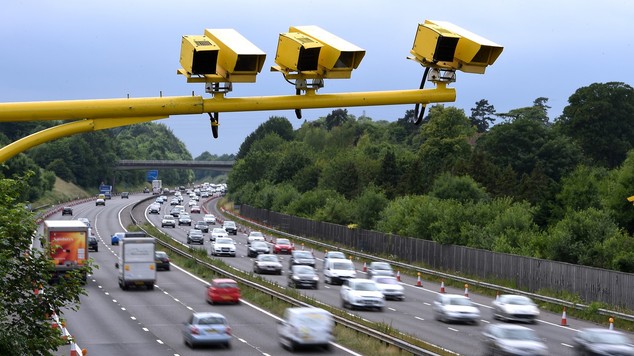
{"x": 137, "y": 266}
{"x": 306, "y": 326}
{"x": 336, "y": 271}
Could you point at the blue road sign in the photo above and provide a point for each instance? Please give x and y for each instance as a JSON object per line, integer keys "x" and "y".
{"x": 151, "y": 175}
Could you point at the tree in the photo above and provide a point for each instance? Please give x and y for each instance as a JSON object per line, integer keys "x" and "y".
{"x": 463, "y": 189}
{"x": 368, "y": 207}
{"x": 600, "y": 119}
{"x": 537, "y": 112}
{"x": 337, "y": 118}
{"x": 482, "y": 115}
{"x": 25, "y": 327}
{"x": 279, "y": 125}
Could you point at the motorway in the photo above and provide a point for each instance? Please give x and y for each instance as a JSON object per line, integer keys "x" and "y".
{"x": 139, "y": 322}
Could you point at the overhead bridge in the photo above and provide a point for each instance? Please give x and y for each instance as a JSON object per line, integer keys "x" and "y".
{"x": 223, "y": 166}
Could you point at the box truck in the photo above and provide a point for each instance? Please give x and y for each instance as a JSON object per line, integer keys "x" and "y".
{"x": 136, "y": 262}
{"x": 68, "y": 242}
{"x": 157, "y": 186}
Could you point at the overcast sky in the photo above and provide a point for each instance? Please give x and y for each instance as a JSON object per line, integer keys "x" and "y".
{"x": 79, "y": 49}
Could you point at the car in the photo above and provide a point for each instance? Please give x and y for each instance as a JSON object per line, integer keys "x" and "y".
{"x": 267, "y": 263}
{"x": 283, "y": 246}
{"x": 216, "y": 233}
{"x": 223, "y": 290}
{"x": 210, "y": 219}
{"x": 154, "y": 208}
{"x": 600, "y": 341}
{"x": 100, "y": 201}
{"x": 299, "y": 257}
{"x": 317, "y": 328}
{"x": 333, "y": 255}
{"x": 379, "y": 269}
{"x": 361, "y": 293}
{"x": 191, "y": 203}
{"x": 338, "y": 270}
{"x": 67, "y": 210}
{"x": 455, "y": 307}
{"x": 390, "y": 287}
{"x": 93, "y": 244}
{"x": 184, "y": 219}
{"x": 195, "y": 235}
{"x": 206, "y": 329}
{"x": 202, "y": 226}
{"x": 175, "y": 201}
{"x": 255, "y": 236}
{"x": 159, "y": 200}
{"x": 177, "y": 210}
{"x": 168, "y": 220}
{"x": 125, "y": 195}
{"x": 195, "y": 209}
{"x": 258, "y": 248}
{"x": 510, "y": 307}
{"x": 509, "y": 339}
{"x": 162, "y": 260}
{"x": 146, "y": 190}
{"x": 85, "y": 221}
{"x": 230, "y": 227}
{"x": 223, "y": 246}
{"x": 116, "y": 238}
{"x": 302, "y": 276}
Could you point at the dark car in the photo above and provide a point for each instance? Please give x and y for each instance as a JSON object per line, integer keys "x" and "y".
{"x": 258, "y": 247}
{"x": 67, "y": 210}
{"x": 230, "y": 227}
{"x": 599, "y": 341}
{"x": 93, "y": 245}
{"x": 162, "y": 260}
{"x": 303, "y": 276}
{"x": 300, "y": 257}
{"x": 125, "y": 195}
{"x": 185, "y": 219}
{"x": 202, "y": 226}
{"x": 195, "y": 235}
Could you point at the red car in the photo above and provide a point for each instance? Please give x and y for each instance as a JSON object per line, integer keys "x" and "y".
{"x": 223, "y": 290}
{"x": 283, "y": 246}
{"x": 195, "y": 209}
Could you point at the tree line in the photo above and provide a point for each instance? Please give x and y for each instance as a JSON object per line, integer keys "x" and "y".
{"x": 513, "y": 182}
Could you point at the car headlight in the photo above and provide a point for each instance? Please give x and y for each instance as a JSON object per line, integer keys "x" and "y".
{"x": 316, "y": 278}
{"x": 295, "y": 277}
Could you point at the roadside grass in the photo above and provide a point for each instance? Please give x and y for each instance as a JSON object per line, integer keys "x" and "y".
{"x": 62, "y": 192}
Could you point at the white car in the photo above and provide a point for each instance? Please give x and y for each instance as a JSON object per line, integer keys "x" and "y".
{"x": 210, "y": 219}
{"x": 223, "y": 246}
{"x": 315, "y": 327}
{"x": 255, "y": 236}
{"x": 455, "y": 307}
{"x": 512, "y": 307}
{"x": 361, "y": 293}
{"x": 390, "y": 287}
{"x": 216, "y": 233}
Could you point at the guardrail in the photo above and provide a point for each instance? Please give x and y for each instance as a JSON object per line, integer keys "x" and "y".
{"x": 388, "y": 339}
{"x": 473, "y": 282}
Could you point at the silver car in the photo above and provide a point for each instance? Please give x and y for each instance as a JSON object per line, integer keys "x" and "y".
{"x": 509, "y": 339}
{"x": 455, "y": 307}
{"x": 512, "y": 307}
{"x": 380, "y": 269}
{"x": 267, "y": 263}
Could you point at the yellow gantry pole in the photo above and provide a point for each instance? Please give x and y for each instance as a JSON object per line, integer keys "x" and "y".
{"x": 99, "y": 114}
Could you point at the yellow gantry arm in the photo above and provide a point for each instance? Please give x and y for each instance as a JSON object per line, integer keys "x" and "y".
{"x": 102, "y": 114}
{"x": 64, "y": 130}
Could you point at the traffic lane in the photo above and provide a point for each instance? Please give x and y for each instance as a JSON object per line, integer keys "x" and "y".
{"x": 104, "y": 327}
{"x": 250, "y": 324}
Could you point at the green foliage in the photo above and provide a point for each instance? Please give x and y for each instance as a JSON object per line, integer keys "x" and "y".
{"x": 600, "y": 119}
{"x": 279, "y": 125}
{"x": 463, "y": 189}
{"x": 368, "y": 207}
{"x": 482, "y": 115}
{"x": 25, "y": 327}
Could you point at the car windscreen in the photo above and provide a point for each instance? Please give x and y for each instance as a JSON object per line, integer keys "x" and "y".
{"x": 224, "y": 241}
{"x": 343, "y": 266}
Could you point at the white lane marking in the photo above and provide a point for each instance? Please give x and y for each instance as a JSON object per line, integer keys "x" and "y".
{"x": 146, "y": 329}
{"x": 452, "y": 329}
{"x": 392, "y": 309}
{"x": 133, "y": 318}
{"x": 567, "y": 345}
{"x": 160, "y": 342}
{"x": 419, "y": 318}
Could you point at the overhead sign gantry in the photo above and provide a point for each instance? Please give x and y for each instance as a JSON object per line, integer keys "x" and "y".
{"x": 306, "y": 56}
